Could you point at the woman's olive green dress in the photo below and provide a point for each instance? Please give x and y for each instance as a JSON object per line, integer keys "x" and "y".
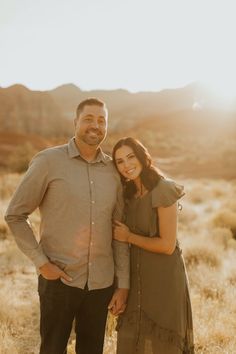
{"x": 158, "y": 317}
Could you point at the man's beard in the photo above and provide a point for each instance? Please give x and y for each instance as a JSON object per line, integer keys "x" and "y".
{"x": 91, "y": 139}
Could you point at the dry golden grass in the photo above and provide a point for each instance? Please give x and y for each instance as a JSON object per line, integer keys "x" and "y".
{"x": 206, "y": 229}
{"x": 19, "y": 308}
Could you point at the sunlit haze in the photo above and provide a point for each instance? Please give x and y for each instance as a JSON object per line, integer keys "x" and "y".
{"x": 138, "y": 45}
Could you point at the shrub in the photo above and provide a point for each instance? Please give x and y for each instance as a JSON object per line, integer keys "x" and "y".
{"x": 213, "y": 293}
{"x": 196, "y": 195}
{"x": 232, "y": 278}
{"x": 20, "y": 158}
{"x": 187, "y": 215}
{"x": 8, "y": 183}
{"x": 231, "y": 243}
{"x": 201, "y": 254}
{"x": 222, "y": 235}
{"x": 226, "y": 218}
{"x": 3, "y": 230}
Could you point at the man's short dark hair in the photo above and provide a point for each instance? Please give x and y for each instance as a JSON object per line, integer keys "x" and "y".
{"x": 92, "y": 101}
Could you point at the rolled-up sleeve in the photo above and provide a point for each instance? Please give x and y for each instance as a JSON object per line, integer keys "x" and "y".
{"x": 25, "y": 200}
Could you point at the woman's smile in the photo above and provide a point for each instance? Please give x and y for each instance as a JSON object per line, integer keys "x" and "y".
{"x": 127, "y": 163}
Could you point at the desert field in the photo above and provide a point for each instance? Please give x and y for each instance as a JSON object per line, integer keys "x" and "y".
{"x": 165, "y": 71}
{"x": 207, "y": 232}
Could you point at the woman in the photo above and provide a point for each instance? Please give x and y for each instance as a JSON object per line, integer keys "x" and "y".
{"x": 158, "y": 317}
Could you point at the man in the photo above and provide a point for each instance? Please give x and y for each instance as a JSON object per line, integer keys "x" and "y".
{"x": 78, "y": 193}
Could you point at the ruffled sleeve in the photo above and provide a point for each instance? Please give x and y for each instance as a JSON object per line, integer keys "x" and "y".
{"x": 166, "y": 193}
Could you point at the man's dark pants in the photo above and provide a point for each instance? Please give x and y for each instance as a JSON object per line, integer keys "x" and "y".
{"x": 60, "y": 304}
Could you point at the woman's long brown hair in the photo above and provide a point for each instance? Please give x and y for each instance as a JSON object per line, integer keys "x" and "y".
{"x": 149, "y": 174}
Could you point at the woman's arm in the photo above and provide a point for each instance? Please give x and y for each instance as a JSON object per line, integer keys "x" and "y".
{"x": 168, "y": 229}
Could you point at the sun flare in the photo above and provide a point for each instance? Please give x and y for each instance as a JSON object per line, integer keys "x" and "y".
{"x": 224, "y": 89}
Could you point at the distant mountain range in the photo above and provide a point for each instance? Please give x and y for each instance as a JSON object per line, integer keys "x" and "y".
{"x": 50, "y": 113}
{"x": 188, "y": 130}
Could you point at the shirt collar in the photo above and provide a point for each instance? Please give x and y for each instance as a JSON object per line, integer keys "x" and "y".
{"x": 73, "y": 151}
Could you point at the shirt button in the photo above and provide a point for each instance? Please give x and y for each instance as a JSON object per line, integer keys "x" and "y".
{"x": 93, "y": 201}
{"x": 91, "y": 243}
{"x": 91, "y": 182}
{"x": 90, "y": 263}
{"x": 92, "y": 222}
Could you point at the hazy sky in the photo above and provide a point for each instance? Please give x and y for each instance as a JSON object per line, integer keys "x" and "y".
{"x": 131, "y": 44}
